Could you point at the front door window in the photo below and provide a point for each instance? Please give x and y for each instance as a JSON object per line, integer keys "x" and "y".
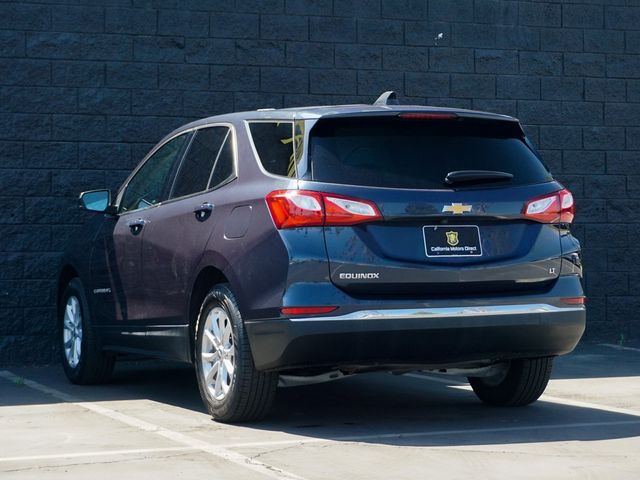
{"x": 149, "y": 185}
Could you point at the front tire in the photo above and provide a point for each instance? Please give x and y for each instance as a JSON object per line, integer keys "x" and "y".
{"x": 522, "y": 383}
{"x": 230, "y": 386}
{"x": 83, "y": 360}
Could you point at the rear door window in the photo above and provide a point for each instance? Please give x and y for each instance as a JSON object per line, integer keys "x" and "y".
{"x": 274, "y": 145}
{"x": 418, "y": 154}
{"x": 197, "y": 166}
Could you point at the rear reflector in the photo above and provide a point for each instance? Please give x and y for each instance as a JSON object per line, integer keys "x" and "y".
{"x": 574, "y": 300}
{"x": 428, "y": 116}
{"x": 556, "y": 207}
{"x": 306, "y": 310}
{"x": 305, "y": 208}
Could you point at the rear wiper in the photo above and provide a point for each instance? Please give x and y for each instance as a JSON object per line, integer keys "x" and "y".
{"x": 476, "y": 176}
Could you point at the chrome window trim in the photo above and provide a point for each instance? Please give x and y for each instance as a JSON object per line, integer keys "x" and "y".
{"x": 439, "y": 312}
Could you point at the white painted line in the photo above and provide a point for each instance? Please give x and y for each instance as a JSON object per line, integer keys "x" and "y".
{"x": 100, "y": 453}
{"x": 465, "y": 386}
{"x": 620, "y": 347}
{"x": 432, "y": 433}
{"x": 544, "y": 398}
{"x": 273, "y": 472}
{"x": 214, "y": 450}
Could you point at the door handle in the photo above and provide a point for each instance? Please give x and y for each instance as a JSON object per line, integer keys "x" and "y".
{"x": 203, "y": 211}
{"x": 136, "y": 225}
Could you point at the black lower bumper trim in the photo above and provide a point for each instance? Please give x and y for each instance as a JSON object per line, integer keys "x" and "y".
{"x": 432, "y": 341}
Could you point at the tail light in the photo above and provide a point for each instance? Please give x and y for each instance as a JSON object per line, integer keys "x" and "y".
{"x": 556, "y": 207}
{"x": 304, "y": 208}
{"x": 296, "y": 208}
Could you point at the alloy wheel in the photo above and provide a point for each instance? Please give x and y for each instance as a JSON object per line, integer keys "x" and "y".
{"x": 72, "y": 331}
{"x": 218, "y": 355}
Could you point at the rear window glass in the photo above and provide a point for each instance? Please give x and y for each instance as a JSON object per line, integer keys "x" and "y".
{"x": 418, "y": 154}
{"x": 274, "y": 144}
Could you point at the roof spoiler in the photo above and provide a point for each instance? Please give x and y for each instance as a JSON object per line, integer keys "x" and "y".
{"x": 387, "y": 98}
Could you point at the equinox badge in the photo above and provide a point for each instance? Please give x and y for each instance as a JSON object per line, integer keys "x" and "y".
{"x": 456, "y": 208}
{"x": 359, "y": 276}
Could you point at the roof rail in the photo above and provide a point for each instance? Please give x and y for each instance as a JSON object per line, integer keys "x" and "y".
{"x": 387, "y": 98}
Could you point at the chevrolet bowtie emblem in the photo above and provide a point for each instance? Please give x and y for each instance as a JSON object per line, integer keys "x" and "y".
{"x": 456, "y": 208}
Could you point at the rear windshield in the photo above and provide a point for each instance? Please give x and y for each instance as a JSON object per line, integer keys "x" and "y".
{"x": 408, "y": 153}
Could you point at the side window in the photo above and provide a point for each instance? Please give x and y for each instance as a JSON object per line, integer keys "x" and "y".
{"x": 149, "y": 185}
{"x": 195, "y": 170}
{"x": 224, "y": 165}
{"x": 274, "y": 144}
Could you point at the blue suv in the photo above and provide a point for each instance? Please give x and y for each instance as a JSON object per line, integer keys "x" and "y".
{"x": 290, "y": 246}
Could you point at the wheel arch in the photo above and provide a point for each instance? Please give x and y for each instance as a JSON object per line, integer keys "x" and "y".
{"x": 207, "y": 277}
{"x": 67, "y": 273}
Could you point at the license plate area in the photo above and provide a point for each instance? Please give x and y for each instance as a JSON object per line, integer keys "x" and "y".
{"x": 452, "y": 241}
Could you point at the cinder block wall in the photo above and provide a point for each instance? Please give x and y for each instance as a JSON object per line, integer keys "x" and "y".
{"x": 87, "y": 86}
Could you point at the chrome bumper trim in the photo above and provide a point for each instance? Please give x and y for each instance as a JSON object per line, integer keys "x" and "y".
{"x": 439, "y": 312}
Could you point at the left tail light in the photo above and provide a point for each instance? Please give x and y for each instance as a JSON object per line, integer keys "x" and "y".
{"x": 556, "y": 207}
{"x": 305, "y": 208}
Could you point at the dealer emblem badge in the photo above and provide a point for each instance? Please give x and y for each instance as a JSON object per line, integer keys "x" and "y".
{"x": 452, "y": 238}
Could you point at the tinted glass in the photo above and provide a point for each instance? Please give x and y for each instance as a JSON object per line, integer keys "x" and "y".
{"x": 150, "y": 185}
{"x": 418, "y": 154}
{"x": 224, "y": 165}
{"x": 196, "y": 167}
{"x": 274, "y": 144}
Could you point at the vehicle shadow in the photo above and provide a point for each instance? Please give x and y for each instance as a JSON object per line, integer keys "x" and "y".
{"x": 375, "y": 408}
{"x": 411, "y": 411}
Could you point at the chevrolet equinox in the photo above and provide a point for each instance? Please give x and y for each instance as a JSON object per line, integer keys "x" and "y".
{"x": 291, "y": 246}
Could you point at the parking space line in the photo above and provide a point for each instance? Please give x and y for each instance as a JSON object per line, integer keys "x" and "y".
{"x": 99, "y": 453}
{"x": 177, "y": 437}
{"x": 620, "y": 347}
{"x": 432, "y": 433}
{"x": 544, "y": 398}
{"x": 227, "y": 454}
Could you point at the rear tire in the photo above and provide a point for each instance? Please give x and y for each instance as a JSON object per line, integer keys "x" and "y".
{"x": 230, "y": 386}
{"x": 83, "y": 360}
{"x": 521, "y": 384}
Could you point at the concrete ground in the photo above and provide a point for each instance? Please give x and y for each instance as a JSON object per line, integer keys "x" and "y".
{"x": 150, "y": 423}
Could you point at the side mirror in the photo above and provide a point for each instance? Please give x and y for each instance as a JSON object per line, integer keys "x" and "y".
{"x": 95, "y": 201}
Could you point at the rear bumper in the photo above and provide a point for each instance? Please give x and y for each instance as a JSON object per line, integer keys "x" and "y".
{"x": 417, "y": 336}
